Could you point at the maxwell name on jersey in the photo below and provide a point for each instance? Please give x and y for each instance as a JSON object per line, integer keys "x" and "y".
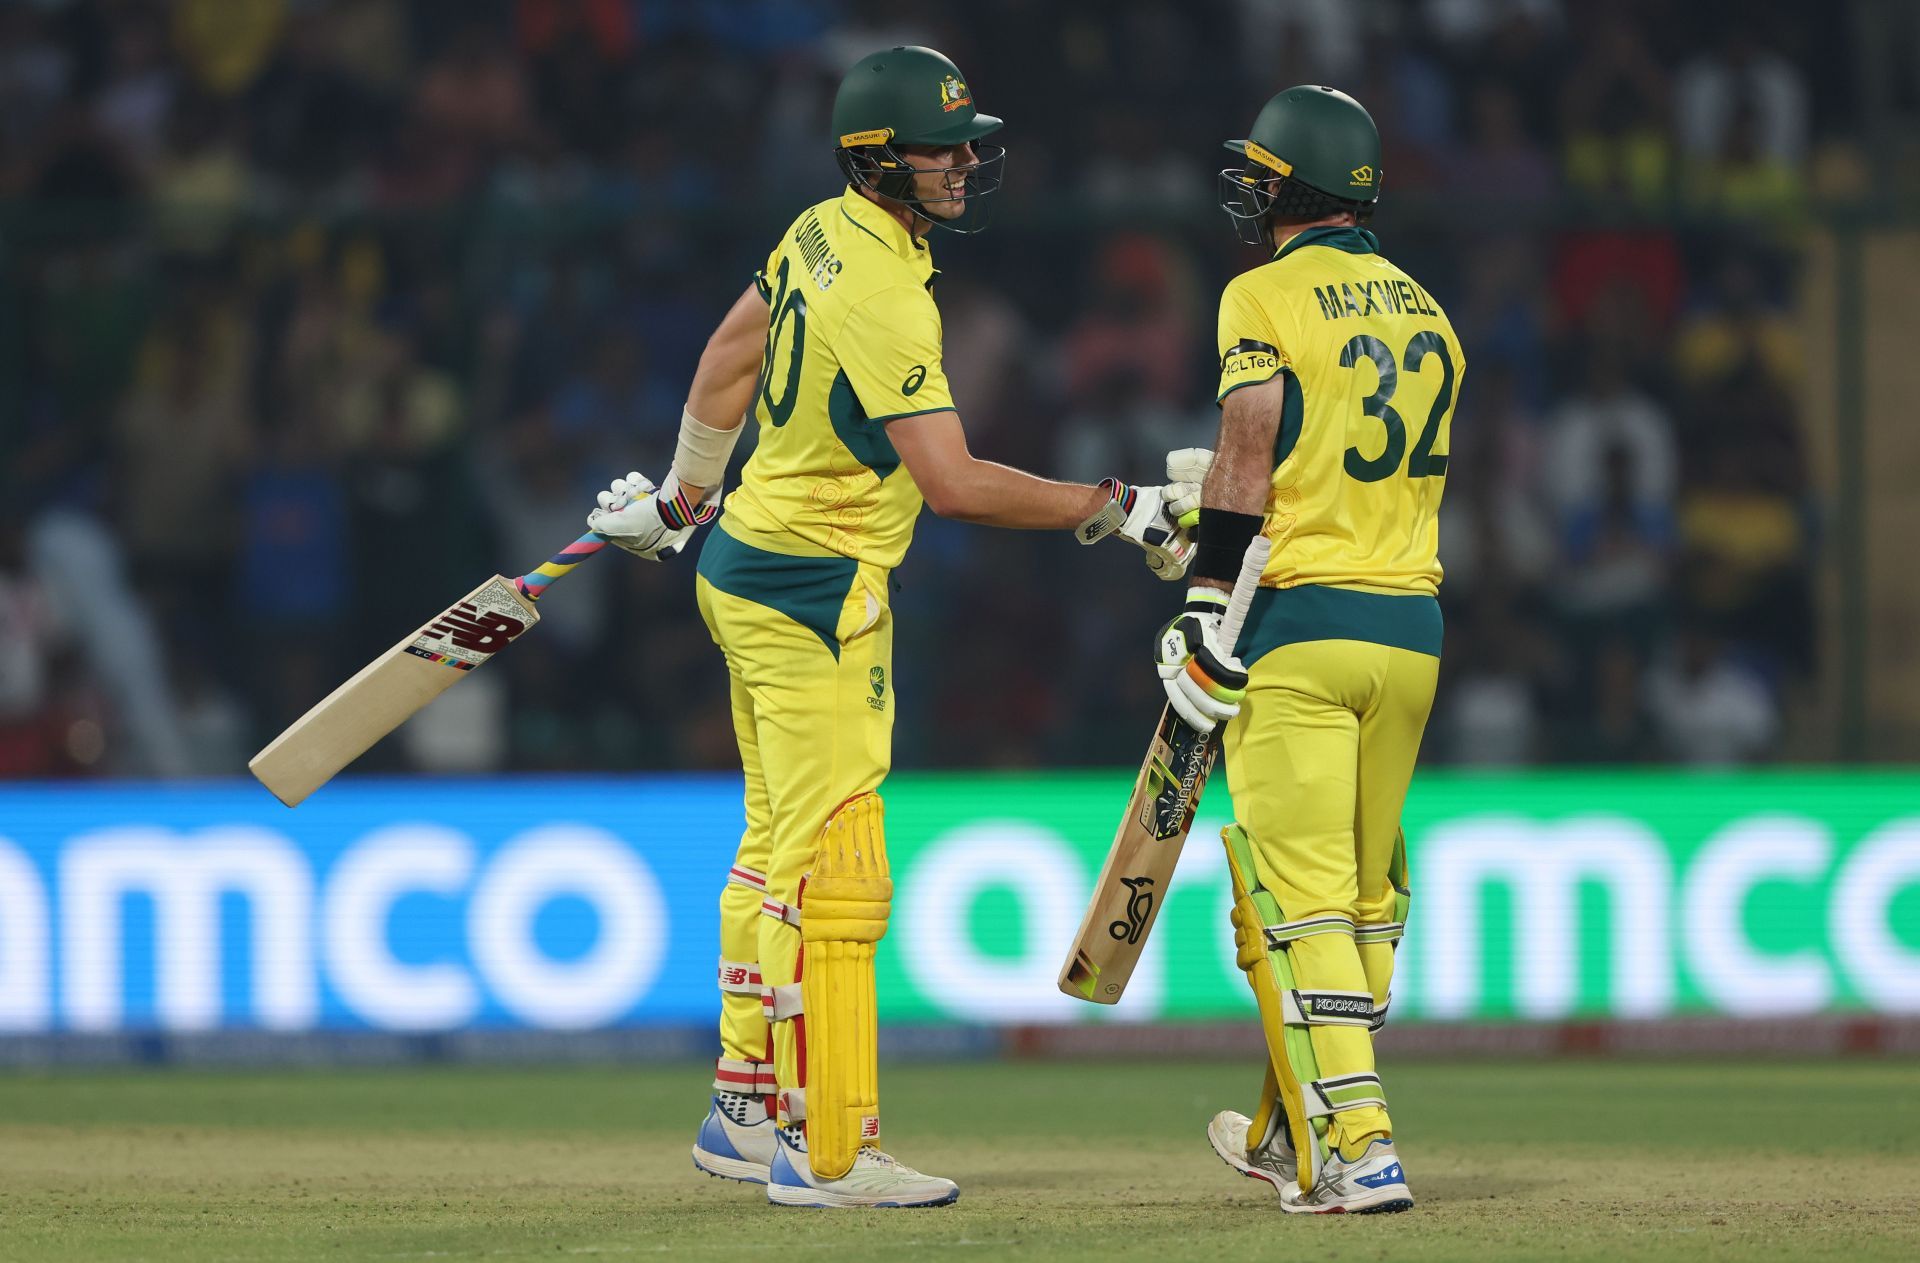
{"x": 1365, "y": 298}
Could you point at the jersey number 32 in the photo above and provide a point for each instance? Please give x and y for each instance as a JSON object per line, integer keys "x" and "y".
{"x": 1379, "y": 405}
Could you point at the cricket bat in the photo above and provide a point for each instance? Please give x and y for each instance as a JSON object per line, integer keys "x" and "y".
{"x": 401, "y": 681}
{"x": 1166, "y": 794}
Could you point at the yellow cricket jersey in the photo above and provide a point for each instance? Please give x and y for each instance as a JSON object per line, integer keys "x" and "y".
{"x": 853, "y": 342}
{"x": 1372, "y": 370}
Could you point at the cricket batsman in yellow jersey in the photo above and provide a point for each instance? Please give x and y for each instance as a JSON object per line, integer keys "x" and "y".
{"x": 1338, "y": 379}
{"x": 836, "y": 350}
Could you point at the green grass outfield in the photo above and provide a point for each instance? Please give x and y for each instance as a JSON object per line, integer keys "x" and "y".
{"x": 1566, "y": 1160}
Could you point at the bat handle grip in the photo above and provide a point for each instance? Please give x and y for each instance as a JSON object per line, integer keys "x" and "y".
{"x": 533, "y": 584}
{"x": 1248, "y": 582}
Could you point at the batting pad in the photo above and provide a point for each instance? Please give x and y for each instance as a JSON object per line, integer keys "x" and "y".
{"x": 1378, "y": 941}
{"x": 843, "y": 916}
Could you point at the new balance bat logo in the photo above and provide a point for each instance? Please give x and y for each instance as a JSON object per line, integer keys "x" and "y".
{"x": 383, "y": 694}
{"x": 468, "y": 628}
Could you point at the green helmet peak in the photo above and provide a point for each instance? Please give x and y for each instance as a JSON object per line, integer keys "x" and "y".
{"x": 907, "y": 95}
{"x": 1312, "y": 150}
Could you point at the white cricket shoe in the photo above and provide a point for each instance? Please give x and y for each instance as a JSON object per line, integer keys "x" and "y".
{"x": 875, "y": 1179}
{"x": 1273, "y": 1162}
{"x": 1371, "y": 1184}
{"x": 734, "y": 1150}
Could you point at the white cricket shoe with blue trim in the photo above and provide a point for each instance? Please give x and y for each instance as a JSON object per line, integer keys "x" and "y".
{"x": 876, "y": 1179}
{"x": 1371, "y": 1184}
{"x": 736, "y": 1150}
{"x": 1274, "y": 1162}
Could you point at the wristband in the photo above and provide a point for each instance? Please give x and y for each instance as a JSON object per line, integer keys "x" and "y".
{"x": 1221, "y": 541}
{"x": 700, "y": 457}
{"x": 680, "y": 514}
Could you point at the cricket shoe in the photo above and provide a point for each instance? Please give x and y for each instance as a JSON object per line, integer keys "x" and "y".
{"x": 1273, "y": 1162}
{"x": 736, "y": 1150}
{"x": 1371, "y": 1184}
{"x": 875, "y": 1179}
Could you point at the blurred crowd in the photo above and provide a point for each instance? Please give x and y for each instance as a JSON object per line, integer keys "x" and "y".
{"x": 313, "y": 313}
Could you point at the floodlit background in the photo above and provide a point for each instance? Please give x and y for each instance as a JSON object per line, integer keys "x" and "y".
{"x": 313, "y": 314}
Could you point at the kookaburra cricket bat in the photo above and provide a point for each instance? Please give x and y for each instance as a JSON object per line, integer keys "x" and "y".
{"x": 388, "y": 690}
{"x": 1166, "y": 794}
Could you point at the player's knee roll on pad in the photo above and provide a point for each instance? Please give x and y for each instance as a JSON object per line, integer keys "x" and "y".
{"x": 1290, "y": 1006}
{"x": 844, "y": 902}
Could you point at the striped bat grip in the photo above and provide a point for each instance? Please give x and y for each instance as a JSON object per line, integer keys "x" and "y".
{"x": 1251, "y": 567}
{"x": 533, "y": 584}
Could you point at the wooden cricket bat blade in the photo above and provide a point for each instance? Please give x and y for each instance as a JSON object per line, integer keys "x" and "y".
{"x": 389, "y": 690}
{"x": 1134, "y": 880}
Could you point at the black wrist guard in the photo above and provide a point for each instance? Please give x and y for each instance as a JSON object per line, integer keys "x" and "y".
{"x": 1221, "y": 541}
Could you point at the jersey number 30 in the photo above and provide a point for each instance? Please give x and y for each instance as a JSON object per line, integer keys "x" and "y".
{"x": 1379, "y": 405}
{"x": 788, "y": 313}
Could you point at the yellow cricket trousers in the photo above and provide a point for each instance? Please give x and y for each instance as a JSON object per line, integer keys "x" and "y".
{"x": 1318, "y": 763}
{"x": 808, "y": 643}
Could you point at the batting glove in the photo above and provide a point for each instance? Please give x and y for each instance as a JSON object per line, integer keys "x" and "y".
{"x": 1187, "y": 469}
{"x": 649, "y": 522}
{"x": 1204, "y": 682}
{"x": 1139, "y": 516}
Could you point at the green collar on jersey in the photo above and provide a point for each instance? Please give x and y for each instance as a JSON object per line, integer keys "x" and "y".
{"x": 882, "y": 227}
{"x": 1352, "y": 240}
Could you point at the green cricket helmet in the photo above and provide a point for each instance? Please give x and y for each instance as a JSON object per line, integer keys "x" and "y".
{"x": 911, "y": 96}
{"x": 1313, "y": 151}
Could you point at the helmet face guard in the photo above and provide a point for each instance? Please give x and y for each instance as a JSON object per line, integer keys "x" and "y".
{"x": 1254, "y": 194}
{"x": 884, "y": 170}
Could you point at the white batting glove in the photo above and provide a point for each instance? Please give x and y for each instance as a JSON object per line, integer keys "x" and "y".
{"x": 1187, "y": 469}
{"x": 645, "y": 521}
{"x": 1204, "y": 682}
{"x": 1139, "y": 516}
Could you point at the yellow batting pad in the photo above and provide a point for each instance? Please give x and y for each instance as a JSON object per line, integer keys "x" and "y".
{"x": 843, "y": 915}
{"x": 1285, "y": 1045}
{"x": 1377, "y": 940}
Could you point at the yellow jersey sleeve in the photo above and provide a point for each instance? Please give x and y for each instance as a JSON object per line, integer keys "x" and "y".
{"x": 889, "y": 348}
{"x": 1250, "y": 346}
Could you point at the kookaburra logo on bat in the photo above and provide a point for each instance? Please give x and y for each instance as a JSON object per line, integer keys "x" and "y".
{"x": 467, "y": 628}
{"x": 1139, "y": 908}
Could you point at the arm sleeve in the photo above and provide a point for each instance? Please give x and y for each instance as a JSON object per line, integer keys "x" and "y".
{"x": 1249, "y": 342}
{"x": 889, "y": 349}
